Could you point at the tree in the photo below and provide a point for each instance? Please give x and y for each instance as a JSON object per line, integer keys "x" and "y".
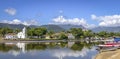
{"x": 16, "y": 30}
{"x": 40, "y": 31}
{"x": 88, "y": 33}
{"x": 30, "y": 31}
{"x": 6, "y": 30}
{"x": 0, "y": 31}
{"x": 36, "y": 31}
{"x": 102, "y": 34}
{"x": 50, "y": 33}
{"x": 63, "y": 36}
{"x": 77, "y": 32}
{"x": 111, "y": 34}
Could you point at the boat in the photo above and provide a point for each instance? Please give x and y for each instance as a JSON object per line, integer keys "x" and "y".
{"x": 103, "y": 49}
{"x": 115, "y": 44}
{"x": 110, "y": 45}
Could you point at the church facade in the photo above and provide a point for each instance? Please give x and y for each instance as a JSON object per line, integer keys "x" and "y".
{"x": 22, "y": 34}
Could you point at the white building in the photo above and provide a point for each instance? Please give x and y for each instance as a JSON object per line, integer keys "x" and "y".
{"x": 10, "y": 36}
{"x": 70, "y": 36}
{"x": 22, "y": 34}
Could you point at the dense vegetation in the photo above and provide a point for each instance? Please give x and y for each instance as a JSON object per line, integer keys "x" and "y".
{"x": 42, "y": 32}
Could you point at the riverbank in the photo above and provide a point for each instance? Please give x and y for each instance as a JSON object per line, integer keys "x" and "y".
{"x": 109, "y": 55}
{"x": 29, "y": 41}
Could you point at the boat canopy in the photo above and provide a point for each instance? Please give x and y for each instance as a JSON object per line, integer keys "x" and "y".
{"x": 116, "y": 39}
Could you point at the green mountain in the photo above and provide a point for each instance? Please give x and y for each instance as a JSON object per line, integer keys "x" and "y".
{"x": 108, "y": 29}
{"x": 54, "y": 28}
{"x": 69, "y": 26}
{"x": 61, "y": 27}
{"x": 12, "y": 26}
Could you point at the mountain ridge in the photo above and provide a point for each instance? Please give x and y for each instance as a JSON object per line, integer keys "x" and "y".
{"x": 62, "y": 27}
{"x": 108, "y": 29}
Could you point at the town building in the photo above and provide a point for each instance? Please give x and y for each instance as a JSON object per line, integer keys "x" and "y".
{"x": 10, "y": 36}
{"x": 70, "y": 36}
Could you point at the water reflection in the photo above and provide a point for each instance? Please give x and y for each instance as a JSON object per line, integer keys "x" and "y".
{"x": 56, "y": 50}
{"x": 70, "y": 44}
{"x": 69, "y": 53}
{"x": 21, "y": 46}
{"x": 16, "y": 48}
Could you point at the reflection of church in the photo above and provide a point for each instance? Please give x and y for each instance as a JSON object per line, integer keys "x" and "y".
{"x": 21, "y": 46}
{"x": 70, "y": 44}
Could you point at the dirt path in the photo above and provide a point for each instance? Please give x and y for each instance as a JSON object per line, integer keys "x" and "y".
{"x": 109, "y": 55}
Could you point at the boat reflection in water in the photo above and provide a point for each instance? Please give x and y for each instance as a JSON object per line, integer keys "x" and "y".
{"x": 51, "y": 50}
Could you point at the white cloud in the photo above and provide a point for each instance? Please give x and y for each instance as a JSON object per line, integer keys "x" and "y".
{"x": 93, "y": 16}
{"x": 74, "y": 21}
{"x": 10, "y": 11}
{"x": 113, "y": 20}
{"x": 30, "y": 22}
{"x": 17, "y": 21}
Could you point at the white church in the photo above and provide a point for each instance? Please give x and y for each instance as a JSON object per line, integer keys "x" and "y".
{"x": 20, "y": 35}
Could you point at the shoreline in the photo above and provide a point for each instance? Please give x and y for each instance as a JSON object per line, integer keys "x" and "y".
{"x": 30, "y": 41}
{"x": 109, "y": 55}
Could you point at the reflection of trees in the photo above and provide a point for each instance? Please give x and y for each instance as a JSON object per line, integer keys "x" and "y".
{"x": 6, "y": 48}
{"x": 34, "y": 46}
{"x": 77, "y": 46}
{"x": 52, "y": 45}
{"x": 42, "y": 46}
{"x": 80, "y": 45}
{"x": 90, "y": 45}
{"x": 63, "y": 44}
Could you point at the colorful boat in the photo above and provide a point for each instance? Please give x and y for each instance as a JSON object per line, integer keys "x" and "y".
{"x": 115, "y": 44}
{"x": 110, "y": 45}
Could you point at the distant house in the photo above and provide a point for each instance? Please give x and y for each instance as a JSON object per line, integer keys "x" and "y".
{"x": 47, "y": 37}
{"x": 11, "y": 36}
{"x": 70, "y": 36}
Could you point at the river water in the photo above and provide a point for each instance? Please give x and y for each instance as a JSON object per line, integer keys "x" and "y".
{"x": 48, "y": 50}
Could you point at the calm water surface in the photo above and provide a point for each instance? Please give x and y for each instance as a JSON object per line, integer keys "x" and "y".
{"x": 55, "y": 50}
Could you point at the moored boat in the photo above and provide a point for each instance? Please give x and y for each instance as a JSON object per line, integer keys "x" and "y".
{"x": 115, "y": 44}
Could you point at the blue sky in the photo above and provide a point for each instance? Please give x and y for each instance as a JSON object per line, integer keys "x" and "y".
{"x": 44, "y": 11}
